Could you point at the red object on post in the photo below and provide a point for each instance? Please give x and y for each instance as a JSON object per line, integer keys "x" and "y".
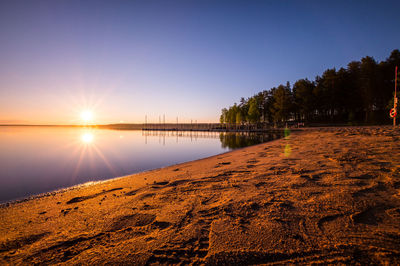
{"x": 393, "y": 113}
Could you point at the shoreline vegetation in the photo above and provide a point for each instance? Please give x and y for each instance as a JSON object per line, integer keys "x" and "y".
{"x": 319, "y": 195}
{"x": 363, "y": 92}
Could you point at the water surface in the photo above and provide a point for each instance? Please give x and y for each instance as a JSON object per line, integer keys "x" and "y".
{"x": 35, "y": 160}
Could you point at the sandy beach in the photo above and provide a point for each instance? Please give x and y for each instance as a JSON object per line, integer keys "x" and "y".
{"x": 326, "y": 195}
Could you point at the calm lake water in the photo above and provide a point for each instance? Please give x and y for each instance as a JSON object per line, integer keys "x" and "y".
{"x": 36, "y": 160}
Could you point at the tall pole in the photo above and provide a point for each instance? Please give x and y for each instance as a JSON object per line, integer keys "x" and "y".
{"x": 395, "y": 98}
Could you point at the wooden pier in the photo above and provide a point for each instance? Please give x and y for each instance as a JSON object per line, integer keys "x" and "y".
{"x": 182, "y": 134}
{"x": 209, "y": 127}
{"x": 215, "y": 127}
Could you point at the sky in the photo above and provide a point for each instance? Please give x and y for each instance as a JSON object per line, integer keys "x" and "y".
{"x": 123, "y": 60}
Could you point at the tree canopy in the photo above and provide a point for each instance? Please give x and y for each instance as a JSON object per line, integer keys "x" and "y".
{"x": 360, "y": 93}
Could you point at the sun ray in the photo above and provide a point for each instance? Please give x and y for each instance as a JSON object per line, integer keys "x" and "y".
{"x": 108, "y": 164}
{"x": 81, "y": 156}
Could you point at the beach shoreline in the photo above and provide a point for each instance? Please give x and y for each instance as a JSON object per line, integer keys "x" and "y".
{"x": 315, "y": 196}
{"x": 96, "y": 182}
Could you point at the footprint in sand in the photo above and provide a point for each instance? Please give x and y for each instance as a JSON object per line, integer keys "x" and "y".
{"x": 132, "y": 192}
{"x": 161, "y": 225}
{"x": 327, "y": 219}
{"x": 159, "y": 184}
{"x": 83, "y": 198}
{"x": 363, "y": 176}
{"x": 145, "y": 196}
{"x": 20, "y": 242}
{"x": 372, "y": 189}
{"x": 135, "y": 220}
{"x": 371, "y": 216}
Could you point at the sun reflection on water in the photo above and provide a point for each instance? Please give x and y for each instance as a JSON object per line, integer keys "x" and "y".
{"x": 87, "y": 138}
{"x": 91, "y": 150}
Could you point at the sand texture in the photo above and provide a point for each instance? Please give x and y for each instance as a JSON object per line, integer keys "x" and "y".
{"x": 318, "y": 196}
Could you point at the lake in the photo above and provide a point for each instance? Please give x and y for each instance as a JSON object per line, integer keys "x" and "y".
{"x": 38, "y": 159}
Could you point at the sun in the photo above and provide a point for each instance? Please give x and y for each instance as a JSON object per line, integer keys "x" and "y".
{"x": 87, "y": 116}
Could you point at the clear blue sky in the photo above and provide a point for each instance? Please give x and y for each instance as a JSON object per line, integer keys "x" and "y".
{"x": 125, "y": 59}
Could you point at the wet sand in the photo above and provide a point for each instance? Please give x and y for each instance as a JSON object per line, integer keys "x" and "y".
{"x": 319, "y": 196}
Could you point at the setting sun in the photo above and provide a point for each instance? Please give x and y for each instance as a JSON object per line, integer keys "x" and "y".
{"x": 87, "y": 116}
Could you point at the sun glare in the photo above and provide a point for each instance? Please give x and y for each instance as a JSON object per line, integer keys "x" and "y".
{"x": 87, "y": 138}
{"x": 87, "y": 116}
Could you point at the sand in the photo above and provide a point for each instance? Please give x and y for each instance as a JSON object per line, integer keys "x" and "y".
{"x": 319, "y": 196}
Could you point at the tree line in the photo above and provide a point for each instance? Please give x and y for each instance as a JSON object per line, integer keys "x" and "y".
{"x": 361, "y": 93}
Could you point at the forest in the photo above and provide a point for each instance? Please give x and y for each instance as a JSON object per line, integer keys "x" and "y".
{"x": 361, "y": 93}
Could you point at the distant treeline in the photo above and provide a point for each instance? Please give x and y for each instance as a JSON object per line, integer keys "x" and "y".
{"x": 361, "y": 93}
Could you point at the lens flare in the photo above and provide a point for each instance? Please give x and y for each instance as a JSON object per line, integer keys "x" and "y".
{"x": 286, "y": 133}
{"x": 288, "y": 150}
